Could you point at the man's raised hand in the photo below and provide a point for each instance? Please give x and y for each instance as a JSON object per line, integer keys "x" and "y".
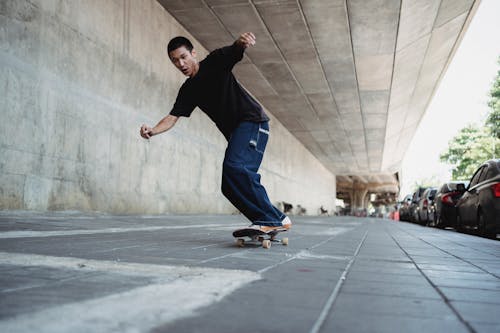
{"x": 246, "y": 39}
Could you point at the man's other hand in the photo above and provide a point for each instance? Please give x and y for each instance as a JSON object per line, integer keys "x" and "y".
{"x": 146, "y": 132}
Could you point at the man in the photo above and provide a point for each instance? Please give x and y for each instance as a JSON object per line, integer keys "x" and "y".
{"x": 212, "y": 87}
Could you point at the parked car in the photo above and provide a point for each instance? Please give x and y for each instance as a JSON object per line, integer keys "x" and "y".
{"x": 445, "y": 212}
{"x": 404, "y": 208}
{"x": 414, "y": 204}
{"x": 425, "y": 206}
{"x": 479, "y": 207}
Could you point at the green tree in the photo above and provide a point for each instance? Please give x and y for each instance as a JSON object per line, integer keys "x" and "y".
{"x": 465, "y": 152}
{"x": 431, "y": 181}
{"x": 474, "y": 145}
{"x": 493, "y": 120}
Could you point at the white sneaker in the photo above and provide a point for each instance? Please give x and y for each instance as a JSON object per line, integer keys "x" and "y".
{"x": 286, "y": 225}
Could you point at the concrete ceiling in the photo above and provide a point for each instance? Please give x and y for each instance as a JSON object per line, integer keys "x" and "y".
{"x": 351, "y": 79}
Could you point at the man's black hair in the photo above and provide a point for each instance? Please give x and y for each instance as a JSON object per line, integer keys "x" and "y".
{"x": 177, "y": 42}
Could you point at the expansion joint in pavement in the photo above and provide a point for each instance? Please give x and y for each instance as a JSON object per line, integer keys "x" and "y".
{"x": 438, "y": 290}
{"x": 459, "y": 258}
{"x": 333, "y": 296}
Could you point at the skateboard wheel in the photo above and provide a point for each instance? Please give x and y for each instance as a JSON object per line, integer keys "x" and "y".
{"x": 240, "y": 242}
{"x": 284, "y": 241}
{"x": 266, "y": 244}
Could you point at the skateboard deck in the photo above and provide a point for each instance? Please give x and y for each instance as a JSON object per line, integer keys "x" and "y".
{"x": 265, "y": 238}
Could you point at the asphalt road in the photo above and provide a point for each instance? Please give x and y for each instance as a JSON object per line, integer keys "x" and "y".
{"x": 69, "y": 272}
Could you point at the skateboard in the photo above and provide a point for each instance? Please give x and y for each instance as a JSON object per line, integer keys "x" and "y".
{"x": 265, "y": 238}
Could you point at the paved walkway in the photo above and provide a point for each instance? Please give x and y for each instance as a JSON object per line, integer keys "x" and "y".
{"x": 73, "y": 273}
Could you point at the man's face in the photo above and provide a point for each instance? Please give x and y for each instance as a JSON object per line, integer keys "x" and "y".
{"x": 184, "y": 60}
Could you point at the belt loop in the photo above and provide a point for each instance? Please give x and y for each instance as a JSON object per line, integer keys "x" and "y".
{"x": 263, "y": 130}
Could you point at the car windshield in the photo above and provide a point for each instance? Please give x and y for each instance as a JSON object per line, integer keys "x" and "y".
{"x": 493, "y": 171}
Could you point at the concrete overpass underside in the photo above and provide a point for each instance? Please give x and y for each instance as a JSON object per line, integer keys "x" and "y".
{"x": 350, "y": 79}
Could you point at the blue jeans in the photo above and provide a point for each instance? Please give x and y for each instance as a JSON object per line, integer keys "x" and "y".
{"x": 240, "y": 180}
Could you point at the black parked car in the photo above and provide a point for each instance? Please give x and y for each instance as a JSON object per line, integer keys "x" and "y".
{"x": 445, "y": 213}
{"x": 425, "y": 206}
{"x": 404, "y": 208}
{"x": 479, "y": 207}
{"x": 414, "y": 204}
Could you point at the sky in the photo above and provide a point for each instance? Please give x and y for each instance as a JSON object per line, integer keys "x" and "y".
{"x": 460, "y": 99}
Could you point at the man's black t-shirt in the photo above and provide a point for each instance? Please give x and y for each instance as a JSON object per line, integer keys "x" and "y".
{"x": 216, "y": 92}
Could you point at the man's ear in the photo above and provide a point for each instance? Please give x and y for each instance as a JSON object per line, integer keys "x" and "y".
{"x": 193, "y": 53}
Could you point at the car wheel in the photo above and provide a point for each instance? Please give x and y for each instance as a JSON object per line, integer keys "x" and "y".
{"x": 418, "y": 220}
{"x": 482, "y": 227}
{"x": 437, "y": 221}
{"x": 459, "y": 227}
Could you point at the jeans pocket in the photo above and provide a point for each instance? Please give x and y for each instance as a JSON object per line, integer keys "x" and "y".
{"x": 259, "y": 139}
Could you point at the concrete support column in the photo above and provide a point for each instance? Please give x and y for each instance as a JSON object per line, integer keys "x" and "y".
{"x": 366, "y": 200}
{"x": 359, "y": 195}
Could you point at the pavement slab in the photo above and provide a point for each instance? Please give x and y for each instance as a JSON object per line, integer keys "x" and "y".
{"x": 69, "y": 271}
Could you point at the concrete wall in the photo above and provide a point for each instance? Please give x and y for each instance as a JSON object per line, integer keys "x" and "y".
{"x": 77, "y": 80}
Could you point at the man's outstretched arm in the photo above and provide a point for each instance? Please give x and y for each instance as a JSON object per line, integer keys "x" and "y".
{"x": 226, "y": 57}
{"x": 163, "y": 125}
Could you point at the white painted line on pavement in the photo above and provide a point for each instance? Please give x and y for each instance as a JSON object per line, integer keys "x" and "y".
{"x": 265, "y": 269}
{"x": 204, "y": 246}
{"x": 176, "y": 293}
{"x": 221, "y": 257}
{"x": 304, "y": 254}
{"x": 329, "y": 232}
{"x": 300, "y": 255}
{"x": 30, "y": 234}
{"x": 129, "y": 268}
